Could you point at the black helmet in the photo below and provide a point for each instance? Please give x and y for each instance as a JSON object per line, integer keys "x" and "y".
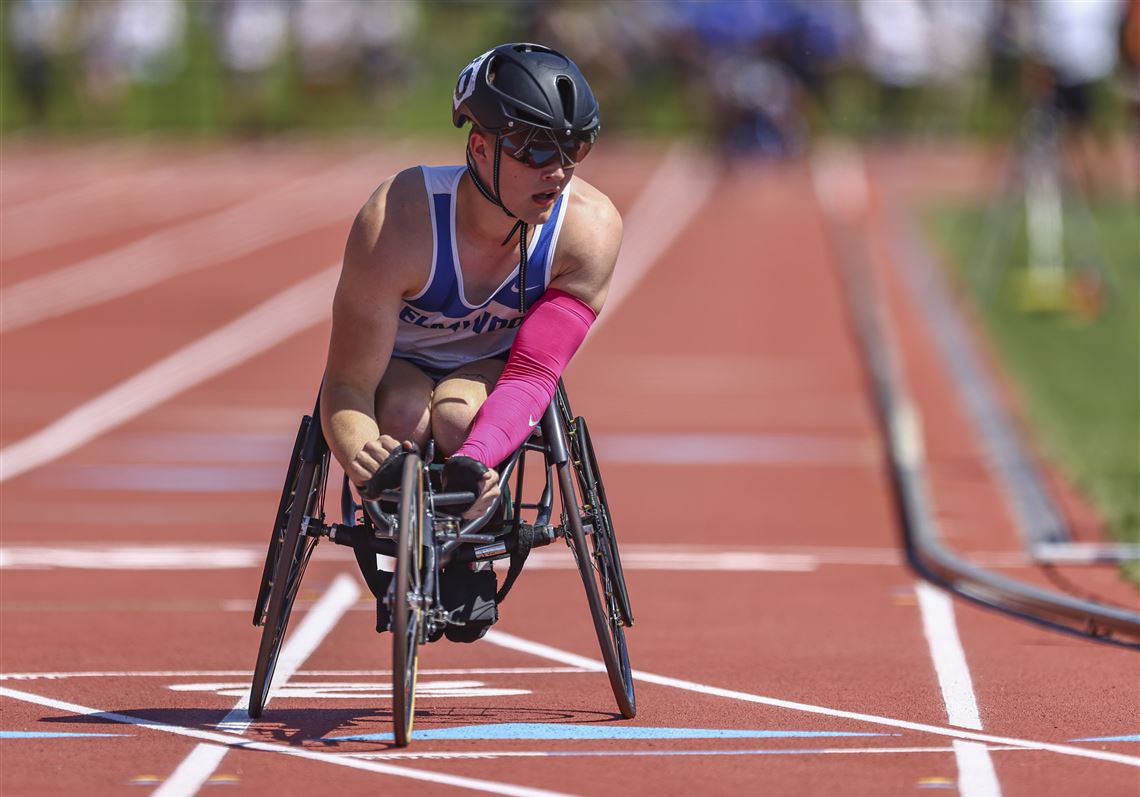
{"x": 526, "y": 84}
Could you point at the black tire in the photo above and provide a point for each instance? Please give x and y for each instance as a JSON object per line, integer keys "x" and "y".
{"x": 277, "y": 536}
{"x": 407, "y": 600}
{"x": 290, "y": 550}
{"x": 595, "y": 565}
{"x": 593, "y": 492}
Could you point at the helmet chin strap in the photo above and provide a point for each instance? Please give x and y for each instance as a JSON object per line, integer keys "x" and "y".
{"x": 494, "y": 199}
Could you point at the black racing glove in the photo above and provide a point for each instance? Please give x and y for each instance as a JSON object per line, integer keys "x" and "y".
{"x": 463, "y": 475}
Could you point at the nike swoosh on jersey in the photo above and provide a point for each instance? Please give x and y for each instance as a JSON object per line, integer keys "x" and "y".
{"x": 530, "y": 419}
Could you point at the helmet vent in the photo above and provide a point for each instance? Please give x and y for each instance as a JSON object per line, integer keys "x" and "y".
{"x": 526, "y": 117}
{"x": 567, "y": 94}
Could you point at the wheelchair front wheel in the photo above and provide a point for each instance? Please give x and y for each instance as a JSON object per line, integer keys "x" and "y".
{"x": 406, "y": 600}
{"x": 595, "y": 561}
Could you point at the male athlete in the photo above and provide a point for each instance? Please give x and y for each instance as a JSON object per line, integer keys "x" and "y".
{"x": 466, "y": 290}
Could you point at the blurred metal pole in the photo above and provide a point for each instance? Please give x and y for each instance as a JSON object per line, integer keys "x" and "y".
{"x": 841, "y": 171}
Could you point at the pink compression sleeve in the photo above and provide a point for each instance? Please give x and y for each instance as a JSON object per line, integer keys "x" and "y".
{"x": 548, "y": 337}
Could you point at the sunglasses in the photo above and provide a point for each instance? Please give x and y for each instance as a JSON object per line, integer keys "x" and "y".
{"x": 538, "y": 147}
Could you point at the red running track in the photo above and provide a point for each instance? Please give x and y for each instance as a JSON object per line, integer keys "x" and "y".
{"x": 783, "y": 645}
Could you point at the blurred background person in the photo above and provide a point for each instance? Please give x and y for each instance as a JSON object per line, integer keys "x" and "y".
{"x": 37, "y": 32}
{"x": 1130, "y": 82}
{"x": 1074, "y": 50}
{"x": 897, "y": 51}
{"x": 325, "y": 35}
{"x": 386, "y": 56}
{"x": 131, "y": 44}
{"x": 252, "y": 38}
{"x": 757, "y": 65}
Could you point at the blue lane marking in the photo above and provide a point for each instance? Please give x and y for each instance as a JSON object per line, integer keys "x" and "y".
{"x": 46, "y": 735}
{"x": 1132, "y": 738}
{"x": 643, "y": 753}
{"x": 543, "y": 730}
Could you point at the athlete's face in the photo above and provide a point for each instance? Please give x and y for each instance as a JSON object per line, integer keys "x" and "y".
{"x": 528, "y": 191}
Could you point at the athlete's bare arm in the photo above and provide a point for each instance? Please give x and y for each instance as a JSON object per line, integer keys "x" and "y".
{"x": 587, "y": 246}
{"x": 386, "y": 258}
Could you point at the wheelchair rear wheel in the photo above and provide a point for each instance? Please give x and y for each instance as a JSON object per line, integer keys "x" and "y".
{"x": 289, "y": 551}
{"x": 593, "y": 554}
{"x": 407, "y": 600}
{"x": 594, "y": 494}
{"x": 279, "y": 524}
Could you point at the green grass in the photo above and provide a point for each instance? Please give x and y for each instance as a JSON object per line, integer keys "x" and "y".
{"x": 1079, "y": 373}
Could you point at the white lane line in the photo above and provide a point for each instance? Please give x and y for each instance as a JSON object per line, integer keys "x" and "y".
{"x": 840, "y": 180}
{"x": 512, "y": 642}
{"x": 56, "y": 676}
{"x": 161, "y": 191}
{"x": 949, "y": 658}
{"x": 789, "y": 559}
{"x": 130, "y": 557}
{"x": 289, "y": 312}
{"x": 976, "y": 774}
{"x": 228, "y": 740}
{"x": 306, "y": 204}
{"x": 195, "y": 769}
{"x": 190, "y": 775}
{"x": 676, "y": 190}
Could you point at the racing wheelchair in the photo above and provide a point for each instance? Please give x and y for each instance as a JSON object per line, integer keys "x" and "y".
{"x": 424, "y": 538}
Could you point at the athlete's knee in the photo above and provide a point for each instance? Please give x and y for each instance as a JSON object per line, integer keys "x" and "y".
{"x": 404, "y": 417}
{"x": 451, "y": 418}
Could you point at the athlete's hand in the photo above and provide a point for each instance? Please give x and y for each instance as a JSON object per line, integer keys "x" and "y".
{"x": 371, "y": 456}
{"x": 488, "y": 492}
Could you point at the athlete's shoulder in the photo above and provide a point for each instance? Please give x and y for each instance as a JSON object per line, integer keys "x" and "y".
{"x": 592, "y": 207}
{"x": 587, "y": 245}
{"x": 395, "y": 203}
{"x": 593, "y": 227}
{"x": 392, "y": 231}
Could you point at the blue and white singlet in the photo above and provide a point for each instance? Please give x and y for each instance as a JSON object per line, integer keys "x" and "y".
{"x": 439, "y": 329}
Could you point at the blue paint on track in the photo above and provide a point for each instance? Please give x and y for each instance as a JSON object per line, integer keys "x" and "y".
{"x": 1132, "y": 738}
{"x": 45, "y": 735}
{"x": 542, "y": 730}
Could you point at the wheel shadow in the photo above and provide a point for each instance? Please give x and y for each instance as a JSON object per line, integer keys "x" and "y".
{"x": 298, "y": 727}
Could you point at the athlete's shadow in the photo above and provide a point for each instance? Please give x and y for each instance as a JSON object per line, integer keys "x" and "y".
{"x": 289, "y": 726}
{"x": 328, "y": 727}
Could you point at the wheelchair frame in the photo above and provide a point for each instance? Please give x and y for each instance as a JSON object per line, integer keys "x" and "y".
{"x": 424, "y": 539}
